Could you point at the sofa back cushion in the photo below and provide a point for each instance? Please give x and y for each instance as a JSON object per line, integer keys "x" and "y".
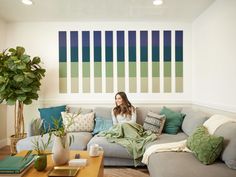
{"x": 143, "y": 111}
{"x": 104, "y": 112}
{"x": 78, "y": 122}
{"x": 228, "y": 131}
{"x": 77, "y": 109}
{"x": 193, "y": 119}
{"x": 48, "y": 115}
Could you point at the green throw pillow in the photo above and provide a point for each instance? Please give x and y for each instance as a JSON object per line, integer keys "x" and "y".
{"x": 205, "y": 147}
{"x": 173, "y": 120}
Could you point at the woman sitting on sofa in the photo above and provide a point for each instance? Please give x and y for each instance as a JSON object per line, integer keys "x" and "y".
{"x": 124, "y": 112}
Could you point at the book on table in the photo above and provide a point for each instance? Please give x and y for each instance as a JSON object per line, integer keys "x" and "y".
{"x": 15, "y": 164}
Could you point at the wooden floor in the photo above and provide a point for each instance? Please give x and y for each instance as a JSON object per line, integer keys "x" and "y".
{"x": 108, "y": 171}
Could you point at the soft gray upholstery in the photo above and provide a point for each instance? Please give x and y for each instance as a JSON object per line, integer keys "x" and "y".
{"x": 228, "y": 131}
{"x": 110, "y": 149}
{"x": 168, "y": 138}
{"x": 103, "y": 112}
{"x": 81, "y": 140}
{"x": 183, "y": 164}
{"x": 192, "y": 120}
{"x": 77, "y": 109}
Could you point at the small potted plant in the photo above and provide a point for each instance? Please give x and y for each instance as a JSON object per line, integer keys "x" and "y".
{"x": 61, "y": 143}
{"x": 40, "y": 151}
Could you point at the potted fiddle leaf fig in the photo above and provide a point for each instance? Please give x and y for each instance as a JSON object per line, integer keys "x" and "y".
{"x": 20, "y": 77}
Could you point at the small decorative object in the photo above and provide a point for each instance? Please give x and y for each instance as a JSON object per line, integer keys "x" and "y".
{"x": 61, "y": 144}
{"x": 39, "y": 152}
{"x": 94, "y": 150}
{"x": 20, "y": 78}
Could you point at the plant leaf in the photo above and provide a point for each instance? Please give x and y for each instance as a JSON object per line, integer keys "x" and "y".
{"x": 11, "y": 101}
{"x": 18, "y": 78}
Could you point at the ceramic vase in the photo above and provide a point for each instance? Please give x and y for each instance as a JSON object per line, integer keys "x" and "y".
{"x": 60, "y": 150}
{"x": 40, "y": 162}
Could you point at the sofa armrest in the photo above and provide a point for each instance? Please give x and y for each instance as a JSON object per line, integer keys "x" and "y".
{"x": 35, "y": 127}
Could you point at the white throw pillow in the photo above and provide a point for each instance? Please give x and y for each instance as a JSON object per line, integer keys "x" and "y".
{"x": 78, "y": 122}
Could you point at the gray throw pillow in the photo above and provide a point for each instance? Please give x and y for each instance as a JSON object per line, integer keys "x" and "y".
{"x": 228, "y": 155}
{"x": 154, "y": 122}
{"x": 192, "y": 120}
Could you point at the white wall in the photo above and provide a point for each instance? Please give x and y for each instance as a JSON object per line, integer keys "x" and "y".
{"x": 42, "y": 39}
{"x": 214, "y": 56}
{"x": 3, "y": 108}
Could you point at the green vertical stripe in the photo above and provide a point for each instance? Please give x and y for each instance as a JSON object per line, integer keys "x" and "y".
{"x": 167, "y": 69}
{"x": 132, "y": 69}
{"x": 86, "y": 69}
{"x": 97, "y": 69}
{"x": 62, "y": 69}
{"x": 155, "y": 69}
{"x": 144, "y": 69}
{"x": 178, "y": 69}
{"x": 109, "y": 69}
{"x": 121, "y": 69}
{"x": 74, "y": 69}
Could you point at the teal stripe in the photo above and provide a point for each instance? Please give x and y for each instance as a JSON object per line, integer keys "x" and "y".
{"x": 132, "y": 53}
{"x": 86, "y": 54}
{"x": 62, "y": 54}
{"x": 144, "y": 54}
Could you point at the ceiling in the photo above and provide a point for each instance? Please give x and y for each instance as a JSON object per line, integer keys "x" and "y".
{"x": 102, "y": 10}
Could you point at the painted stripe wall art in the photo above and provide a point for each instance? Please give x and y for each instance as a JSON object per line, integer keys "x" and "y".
{"x": 146, "y": 61}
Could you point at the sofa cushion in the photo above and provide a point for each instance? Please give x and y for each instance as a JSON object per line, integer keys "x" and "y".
{"x": 228, "y": 131}
{"x": 168, "y": 138}
{"x": 192, "y": 120}
{"x": 80, "y": 142}
{"x": 77, "y": 109}
{"x": 110, "y": 149}
{"x": 103, "y": 112}
{"x": 183, "y": 164}
{"x": 205, "y": 147}
{"x": 173, "y": 121}
{"x": 51, "y": 113}
{"x": 78, "y": 122}
{"x": 154, "y": 122}
{"x": 102, "y": 124}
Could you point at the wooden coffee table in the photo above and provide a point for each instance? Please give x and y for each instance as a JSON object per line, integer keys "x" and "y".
{"x": 94, "y": 167}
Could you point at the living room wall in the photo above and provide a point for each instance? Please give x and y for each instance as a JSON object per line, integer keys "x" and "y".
{"x": 3, "y": 108}
{"x": 41, "y": 39}
{"x": 214, "y": 54}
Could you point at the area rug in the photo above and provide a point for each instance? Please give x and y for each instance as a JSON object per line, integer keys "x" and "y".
{"x": 125, "y": 172}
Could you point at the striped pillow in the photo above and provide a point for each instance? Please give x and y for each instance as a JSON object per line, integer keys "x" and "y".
{"x": 154, "y": 122}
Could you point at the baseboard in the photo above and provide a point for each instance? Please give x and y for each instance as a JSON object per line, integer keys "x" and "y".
{"x": 3, "y": 142}
{"x": 225, "y": 108}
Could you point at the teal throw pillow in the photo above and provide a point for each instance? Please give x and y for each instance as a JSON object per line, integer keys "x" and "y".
{"x": 48, "y": 114}
{"x": 205, "y": 147}
{"x": 173, "y": 120}
{"x": 102, "y": 124}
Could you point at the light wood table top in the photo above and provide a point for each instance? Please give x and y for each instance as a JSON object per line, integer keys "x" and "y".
{"x": 94, "y": 167}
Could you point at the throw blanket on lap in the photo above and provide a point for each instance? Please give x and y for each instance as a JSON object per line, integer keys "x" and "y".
{"x": 211, "y": 124}
{"x": 132, "y": 136}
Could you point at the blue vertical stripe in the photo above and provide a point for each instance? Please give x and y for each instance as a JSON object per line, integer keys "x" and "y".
{"x": 120, "y": 46}
{"x": 167, "y": 45}
{"x": 62, "y": 46}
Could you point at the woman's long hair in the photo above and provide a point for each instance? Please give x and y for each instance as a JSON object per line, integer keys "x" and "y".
{"x": 125, "y": 108}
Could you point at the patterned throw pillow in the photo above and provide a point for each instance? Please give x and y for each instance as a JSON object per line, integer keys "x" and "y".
{"x": 78, "y": 122}
{"x": 205, "y": 147}
{"x": 154, "y": 122}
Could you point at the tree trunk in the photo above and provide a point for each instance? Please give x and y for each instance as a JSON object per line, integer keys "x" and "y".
{"x": 19, "y": 120}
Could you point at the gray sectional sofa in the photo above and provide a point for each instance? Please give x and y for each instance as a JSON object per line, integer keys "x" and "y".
{"x": 165, "y": 164}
